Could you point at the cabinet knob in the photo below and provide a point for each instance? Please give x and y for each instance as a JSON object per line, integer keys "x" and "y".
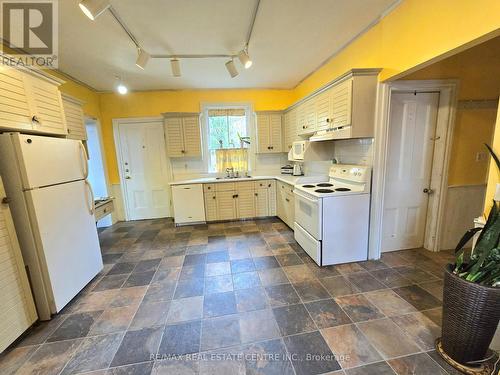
{"x": 288, "y": 200}
{"x": 213, "y": 197}
{"x": 208, "y": 188}
{"x": 35, "y": 119}
{"x": 256, "y": 194}
{"x": 303, "y": 126}
{"x": 6, "y": 200}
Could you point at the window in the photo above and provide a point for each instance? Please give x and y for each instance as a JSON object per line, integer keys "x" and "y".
{"x": 227, "y": 139}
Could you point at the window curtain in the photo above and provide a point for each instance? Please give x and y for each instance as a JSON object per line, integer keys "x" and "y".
{"x": 226, "y": 112}
{"x": 236, "y": 158}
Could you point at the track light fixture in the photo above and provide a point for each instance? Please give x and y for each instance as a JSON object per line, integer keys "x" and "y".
{"x": 94, "y": 8}
{"x": 244, "y": 58}
{"x": 176, "y": 67}
{"x": 142, "y": 58}
{"x": 231, "y": 68}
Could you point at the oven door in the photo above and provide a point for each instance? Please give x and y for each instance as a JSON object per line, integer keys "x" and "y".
{"x": 309, "y": 213}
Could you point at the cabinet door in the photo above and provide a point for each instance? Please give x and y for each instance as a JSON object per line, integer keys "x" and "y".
{"x": 310, "y": 116}
{"x": 175, "y": 137}
{"x": 15, "y": 112}
{"x": 290, "y": 129}
{"x": 275, "y": 133}
{"x": 263, "y": 133}
{"x": 74, "y": 120}
{"x": 301, "y": 119}
{"x": 226, "y": 205}
{"x": 323, "y": 107}
{"x": 191, "y": 135}
{"x": 211, "y": 206}
{"x": 280, "y": 201}
{"x": 246, "y": 204}
{"x": 289, "y": 208}
{"x": 46, "y": 102}
{"x": 261, "y": 202}
{"x": 341, "y": 104}
{"x": 271, "y": 192}
{"x": 17, "y": 310}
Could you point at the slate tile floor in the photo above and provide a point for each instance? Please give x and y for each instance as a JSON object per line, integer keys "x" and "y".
{"x": 236, "y": 298}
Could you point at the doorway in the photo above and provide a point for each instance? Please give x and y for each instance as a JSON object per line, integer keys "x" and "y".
{"x": 144, "y": 171}
{"x": 97, "y": 169}
{"x": 410, "y": 150}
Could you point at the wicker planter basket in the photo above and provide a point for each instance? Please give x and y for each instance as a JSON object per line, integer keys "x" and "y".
{"x": 470, "y": 318}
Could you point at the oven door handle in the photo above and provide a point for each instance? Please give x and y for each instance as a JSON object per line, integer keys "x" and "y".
{"x": 312, "y": 200}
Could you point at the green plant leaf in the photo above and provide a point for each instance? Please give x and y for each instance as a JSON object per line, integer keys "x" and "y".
{"x": 493, "y": 155}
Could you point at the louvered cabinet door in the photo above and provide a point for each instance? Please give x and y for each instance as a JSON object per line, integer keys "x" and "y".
{"x": 175, "y": 137}
{"x": 210, "y": 206}
{"x": 341, "y": 104}
{"x": 15, "y": 112}
{"x": 226, "y": 205}
{"x": 17, "y": 309}
{"x": 75, "y": 120}
{"x": 310, "y": 116}
{"x": 275, "y": 133}
{"x": 290, "y": 129}
{"x": 323, "y": 106}
{"x": 191, "y": 135}
{"x": 263, "y": 139}
{"x": 301, "y": 119}
{"x": 246, "y": 204}
{"x": 271, "y": 191}
{"x": 261, "y": 202}
{"x": 45, "y": 100}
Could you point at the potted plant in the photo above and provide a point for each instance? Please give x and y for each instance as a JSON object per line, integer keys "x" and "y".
{"x": 471, "y": 295}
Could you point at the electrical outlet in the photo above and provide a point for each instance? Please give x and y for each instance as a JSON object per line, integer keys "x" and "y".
{"x": 480, "y": 156}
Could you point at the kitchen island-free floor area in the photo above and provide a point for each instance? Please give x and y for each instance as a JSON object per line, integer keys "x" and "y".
{"x": 235, "y": 298}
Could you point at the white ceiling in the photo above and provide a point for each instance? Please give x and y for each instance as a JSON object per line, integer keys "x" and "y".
{"x": 291, "y": 39}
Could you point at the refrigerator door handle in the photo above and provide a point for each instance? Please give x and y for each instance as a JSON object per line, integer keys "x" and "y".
{"x": 92, "y": 203}
{"x": 84, "y": 160}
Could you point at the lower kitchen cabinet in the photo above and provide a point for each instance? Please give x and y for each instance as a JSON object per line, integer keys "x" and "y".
{"x": 226, "y": 205}
{"x": 285, "y": 203}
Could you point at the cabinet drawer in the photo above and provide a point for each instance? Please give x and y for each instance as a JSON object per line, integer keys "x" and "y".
{"x": 208, "y": 187}
{"x": 262, "y": 184}
{"x": 225, "y": 186}
{"x": 244, "y": 186}
{"x": 104, "y": 210}
{"x": 284, "y": 187}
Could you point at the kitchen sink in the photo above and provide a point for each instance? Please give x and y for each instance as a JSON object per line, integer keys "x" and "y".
{"x": 232, "y": 178}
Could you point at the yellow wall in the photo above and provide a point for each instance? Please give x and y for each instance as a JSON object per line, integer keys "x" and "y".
{"x": 493, "y": 174}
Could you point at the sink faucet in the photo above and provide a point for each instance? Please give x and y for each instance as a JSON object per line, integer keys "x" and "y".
{"x": 230, "y": 172}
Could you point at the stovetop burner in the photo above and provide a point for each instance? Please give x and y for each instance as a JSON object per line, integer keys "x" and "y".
{"x": 324, "y": 184}
{"x": 342, "y": 189}
{"x": 323, "y": 191}
{"x": 308, "y": 186}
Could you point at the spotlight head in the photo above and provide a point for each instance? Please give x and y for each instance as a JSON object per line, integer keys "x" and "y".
{"x": 94, "y": 8}
{"x": 176, "y": 67}
{"x": 231, "y": 68}
{"x": 244, "y": 58}
{"x": 142, "y": 58}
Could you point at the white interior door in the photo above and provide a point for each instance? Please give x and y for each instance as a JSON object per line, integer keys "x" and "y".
{"x": 412, "y": 128}
{"x": 145, "y": 171}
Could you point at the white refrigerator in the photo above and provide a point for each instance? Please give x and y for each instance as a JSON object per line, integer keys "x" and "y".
{"x": 52, "y": 206}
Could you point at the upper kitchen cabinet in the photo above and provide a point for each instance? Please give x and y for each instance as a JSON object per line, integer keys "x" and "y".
{"x": 75, "y": 121}
{"x": 269, "y": 132}
{"x": 182, "y": 131}
{"x": 290, "y": 129}
{"x": 307, "y": 117}
{"x": 30, "y": 101}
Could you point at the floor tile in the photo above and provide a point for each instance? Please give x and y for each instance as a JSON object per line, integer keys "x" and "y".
{"x": 177, "y": 366}
{"x": 217, "y": 269}
{"x": 250, "y": 299}
{"x": 435, "y": 288}
{"x": 415, "y": 274}
{"x": 223, "y": 362}
{"x": 322, "y": 272}
{"x": 311, "y": 290}
{"x": 242, "y": 265}
{"x": 338, "y": 286}
{"x": 273, "y": 276}
{"x": 266, "y": 262}
{"x": 291, "y": 259}
{"x": 218, "y": 284}
{"x": 389, "y": 302}
{"x": 152, "y": 314}
{"x": 75, "y": 326}
{"x": 258, "y": 326}
{"x": 365, "y": 282}
{"x": 358, "y": 308}
{"x": 418, "y": 364}
{"x": 245, "y": 280}
{"x": 110, "y": 282}
{"x": 280, "y": 295}
{"x": 293, "y": 319}
{"x": 114, "y": 319}
{"x": 122, "y": 268}
{"x": 218, "y": 304}
{"x": 419, "y": 298}
{"x": 388, "y": 338}
{"x": 276, "y": 363}
{"x": 299, "y": 273}
{"x": 49, "y": 358}
{"x": 11, "y": 360}
{"x": 137, "y": 346}
{"x": 379, "y": 368}
{"x": 390, "y": 277}
{"x": 310, "y": 354}
{"x": 128, "y": 296}
{"x": 420, "y": 328}
{"x": 93, "y": 354}
{"x": 436, "y": 315}
{"x": 144, "y": 368}
{"x": 192, "y": 272}
{"x": 192, "y": 259}
{"x": 392, "y": 259}
{"x": 171, "y": 262}
{"x": 185, "y": 309}
{"x": 149, "y": 265}
{"x": 189, "y": 288}
{"x": 220, "y": 332}
{"x": 372, "y": 265}
{"x": 350, "y": 345}
{"x": 348, "y": 268}
{"x": 160, "y": 291}
{"x": 39, "y": 332}
{"x": 327, "y": 313}
{"x": 139, "y": 279}
{"x": 180, "y": 339}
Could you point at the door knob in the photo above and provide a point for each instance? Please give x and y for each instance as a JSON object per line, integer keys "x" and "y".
{"x": 128, "y": 178}
{"x": 428, "y": 191}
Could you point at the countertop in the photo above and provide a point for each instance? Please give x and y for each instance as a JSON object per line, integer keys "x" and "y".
{"x": 289, "y": 179}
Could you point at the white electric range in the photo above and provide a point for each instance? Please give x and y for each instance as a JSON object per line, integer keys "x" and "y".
{"x": 332, "y": 218}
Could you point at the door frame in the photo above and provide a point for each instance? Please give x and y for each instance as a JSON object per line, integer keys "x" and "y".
{"x": 440, "y": 165}
{"x": 119, "y": 123}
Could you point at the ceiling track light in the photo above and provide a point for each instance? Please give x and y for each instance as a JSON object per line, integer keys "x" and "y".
{"x": 231, "y": 68}
{"x": 176, "y": 67}
{"x": 142, "y": 58}
{"x": 94, "y": 8}
{"x": 245, "y": 58}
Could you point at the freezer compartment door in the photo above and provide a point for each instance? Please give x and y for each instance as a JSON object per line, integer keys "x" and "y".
{"x": 66, "y": 237}
{"x": 48, "y": 161}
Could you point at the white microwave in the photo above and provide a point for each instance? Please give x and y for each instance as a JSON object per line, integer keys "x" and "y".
{"x": 299, "y": 149}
